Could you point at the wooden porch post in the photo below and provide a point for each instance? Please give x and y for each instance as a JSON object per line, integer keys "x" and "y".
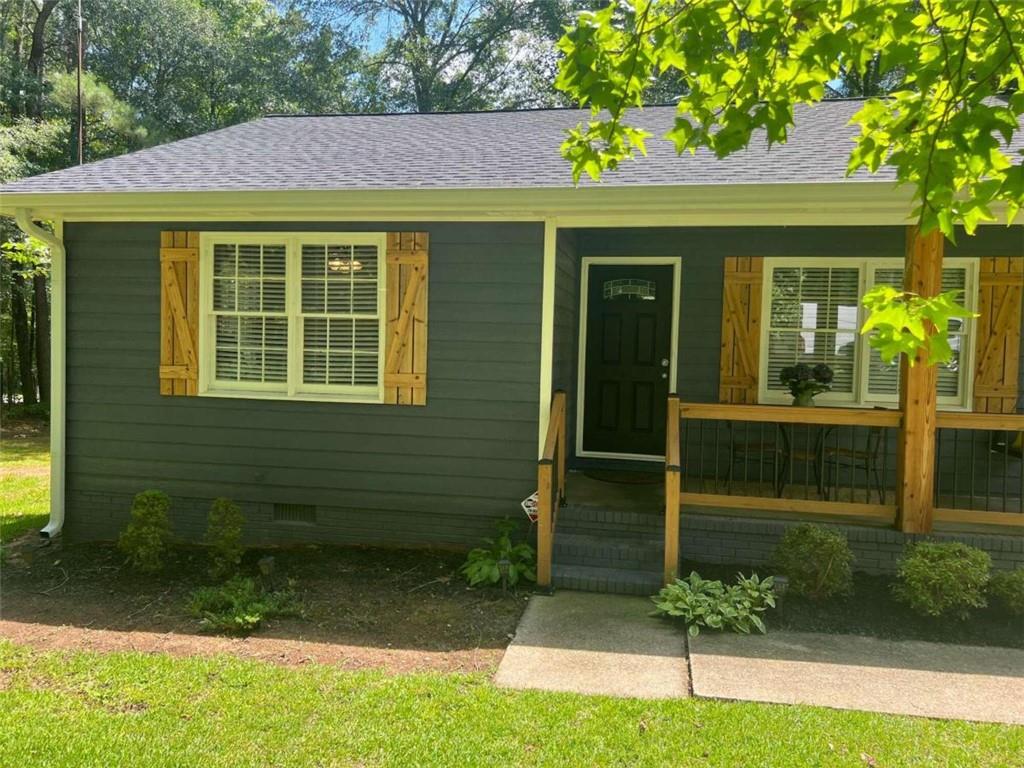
{"x": 672, "y": 479}
{"x": 915, "y": 459}
{"x": 544, "y": 522}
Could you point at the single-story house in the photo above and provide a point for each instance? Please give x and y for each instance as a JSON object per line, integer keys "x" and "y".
{"x": 361, "y": 327}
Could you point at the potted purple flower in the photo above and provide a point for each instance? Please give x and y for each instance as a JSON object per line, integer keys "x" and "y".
{"x": 804, "y": 382}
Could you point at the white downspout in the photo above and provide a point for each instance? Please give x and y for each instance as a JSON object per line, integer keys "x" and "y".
{"x": 57, "y": 372}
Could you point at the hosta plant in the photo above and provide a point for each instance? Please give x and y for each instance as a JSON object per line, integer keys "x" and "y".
{"x": 484, "y": 564}
{"x": 712, "y": 604}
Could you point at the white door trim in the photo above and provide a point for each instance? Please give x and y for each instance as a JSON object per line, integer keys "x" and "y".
{"x": 676, "y": 263}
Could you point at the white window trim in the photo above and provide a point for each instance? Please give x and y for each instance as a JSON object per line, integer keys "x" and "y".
{"x": 860, "y": 397}
{"x": 293, "y": 389}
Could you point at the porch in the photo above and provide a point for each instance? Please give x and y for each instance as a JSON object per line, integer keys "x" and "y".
{"x": 726, "y": 492}
{"x": 895, "y": 453}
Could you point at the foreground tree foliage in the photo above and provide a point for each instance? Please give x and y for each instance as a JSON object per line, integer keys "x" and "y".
{"x": 953, "y": 69}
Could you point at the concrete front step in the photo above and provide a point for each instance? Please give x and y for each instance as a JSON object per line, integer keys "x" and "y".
{"x": 620, "y": 551}
{"x": 590, "y": 578}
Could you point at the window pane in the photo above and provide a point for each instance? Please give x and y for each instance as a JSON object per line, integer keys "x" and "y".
{"x": 274, "y": 259}
{"x": 314, "y": 367}
{"x": 224, "y": 260}
{"x": 314, "y": 295}
{"x": 249, "y": 260}
{"x": 273, "y": 295}
{"x": 224, "y": 295}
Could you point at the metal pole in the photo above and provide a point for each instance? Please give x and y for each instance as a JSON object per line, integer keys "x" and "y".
{"x": 81, "y": 109}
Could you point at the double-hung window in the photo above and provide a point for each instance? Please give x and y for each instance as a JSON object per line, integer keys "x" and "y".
{"x": 811, "y": 314}
{"x": 297, "y": 315}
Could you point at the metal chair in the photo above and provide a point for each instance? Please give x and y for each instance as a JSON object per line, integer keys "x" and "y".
{"x": 760, "y": 450}
{"x": 854, "y": 459}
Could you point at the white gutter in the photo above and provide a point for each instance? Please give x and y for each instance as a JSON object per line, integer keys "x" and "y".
{"x": 850, "y": 203}
{"x": 57, "y": 372}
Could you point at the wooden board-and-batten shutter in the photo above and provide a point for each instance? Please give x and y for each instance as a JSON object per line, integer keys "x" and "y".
{"x": 179, "y": 313}
{"x": 997, "y": 357}
{"x": 741, "y": 330}
{"x": 405, "y": 351}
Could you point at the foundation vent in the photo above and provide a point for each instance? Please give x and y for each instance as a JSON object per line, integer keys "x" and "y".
{"x": 295, "y": 513}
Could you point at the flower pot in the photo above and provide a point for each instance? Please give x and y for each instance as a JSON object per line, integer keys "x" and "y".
{"x": 804, "y": 399}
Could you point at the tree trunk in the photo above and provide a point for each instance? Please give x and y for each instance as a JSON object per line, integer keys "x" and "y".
{"x": 23, "y": 337}
{"x": 36, "y": 56}
{"x": 41, "y": 312}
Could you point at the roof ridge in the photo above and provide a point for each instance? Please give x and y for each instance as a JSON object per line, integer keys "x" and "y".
{"x": 502, "y": 111}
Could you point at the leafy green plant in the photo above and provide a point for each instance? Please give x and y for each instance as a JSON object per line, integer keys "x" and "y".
{"x": 224, "y": 537}
{"x": 705, "y": 603}
{"x": 816, "y": 561}
{"x": 904, "y": 323}
{"x": 240, "y": 605}
{"x": 148, "y": 534}
{"x": 1007, "y": 587}
{"x": 484, "y": 564}
{"x": 943, "y": 579}
{"x": 945, "y": 124}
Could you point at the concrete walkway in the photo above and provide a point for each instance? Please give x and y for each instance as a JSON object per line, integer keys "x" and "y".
{"x": 608, "y": 644}
{"x": 849, "y": 672}
{"x": 598, "y": 644}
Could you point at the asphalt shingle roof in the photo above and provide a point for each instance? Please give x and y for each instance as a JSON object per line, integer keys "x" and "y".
{"x": 486, "y": 150}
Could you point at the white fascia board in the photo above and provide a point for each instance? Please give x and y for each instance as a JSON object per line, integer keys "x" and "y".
{"x": 853, "y": 202}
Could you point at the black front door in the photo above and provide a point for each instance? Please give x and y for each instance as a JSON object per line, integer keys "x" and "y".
{"x": 628, "y": 349}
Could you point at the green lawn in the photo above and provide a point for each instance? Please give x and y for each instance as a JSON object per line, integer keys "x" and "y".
{"x": 24, "y": 485}
{"x": 84, "y": 709}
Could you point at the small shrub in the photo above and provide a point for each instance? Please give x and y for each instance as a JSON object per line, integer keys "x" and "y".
{"x": 224, "y": 537}
{"x": 240, "y": 605}
{"x": 943, "y": 579}
{"x": 1007, "y": 587}
{"x": 703, "y": 603}
{"x": 147, "y": 536}
{"x": 482, "y": 564}
{"x": 816, "y": 561}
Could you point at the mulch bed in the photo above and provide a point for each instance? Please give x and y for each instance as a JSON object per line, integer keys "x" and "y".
{"x": 873, "y": 611}
{"x": 393, "y": 609}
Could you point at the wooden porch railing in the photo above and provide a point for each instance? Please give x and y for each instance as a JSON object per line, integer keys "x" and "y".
{"x": 550, "y": 487}
{"x": 831, "y": 437}
{"x": 979, "y": 476}
{"x": 977, "y": 469}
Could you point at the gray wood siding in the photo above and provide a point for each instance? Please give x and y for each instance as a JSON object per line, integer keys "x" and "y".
{"x": 439, "y": 474}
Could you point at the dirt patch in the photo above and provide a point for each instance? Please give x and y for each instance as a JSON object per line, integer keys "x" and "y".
{"x": 19, "y": 425}
{"x": 397, "y": 610}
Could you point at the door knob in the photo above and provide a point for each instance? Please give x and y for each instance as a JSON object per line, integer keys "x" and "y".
{"x": 664, "y": 375}
{"x": 664, "y": 362}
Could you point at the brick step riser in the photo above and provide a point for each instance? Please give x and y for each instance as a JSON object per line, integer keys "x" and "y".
{"x": 630, "y": 558}
{"x": 610, "y": 586}
{"x": 610, "y": 531}
{"x": 647, "y": 566}
{"x": 603, "y": 519}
